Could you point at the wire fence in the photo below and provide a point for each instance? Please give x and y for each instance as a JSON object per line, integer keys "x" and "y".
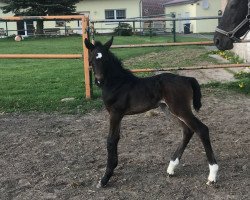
{"x": 137, "y": 26}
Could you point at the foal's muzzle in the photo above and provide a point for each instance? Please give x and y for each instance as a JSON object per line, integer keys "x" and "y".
{"x": 99, "y": 80}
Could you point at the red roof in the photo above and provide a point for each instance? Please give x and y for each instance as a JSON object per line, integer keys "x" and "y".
{"x": 153, "y": 7}
{"x": 175, "y": 2}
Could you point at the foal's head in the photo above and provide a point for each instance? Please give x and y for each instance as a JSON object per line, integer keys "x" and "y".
{"x": 235, "y": 12}
{"x": 99, "y": 59}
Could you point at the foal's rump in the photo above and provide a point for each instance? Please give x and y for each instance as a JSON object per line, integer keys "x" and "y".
{"x": 179, "y": 91}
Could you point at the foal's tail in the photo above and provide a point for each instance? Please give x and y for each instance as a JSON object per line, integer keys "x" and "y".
{"x": 196, "y": 93}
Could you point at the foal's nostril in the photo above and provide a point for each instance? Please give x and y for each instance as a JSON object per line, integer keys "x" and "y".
{"x": 217, "y": 42}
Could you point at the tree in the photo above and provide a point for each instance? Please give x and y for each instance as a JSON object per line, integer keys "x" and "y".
{"x": 39, "y": 8}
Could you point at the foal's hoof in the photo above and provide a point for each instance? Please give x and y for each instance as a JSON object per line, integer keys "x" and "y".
{"x": 171, "y": 175}
{"x": 211, "y": 183}
{"x": 100, "y": 185}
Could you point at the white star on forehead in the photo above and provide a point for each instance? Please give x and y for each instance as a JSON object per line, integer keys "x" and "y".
{"x": 99, "y": 56}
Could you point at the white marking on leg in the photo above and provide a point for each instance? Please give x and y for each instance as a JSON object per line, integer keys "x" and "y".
{"x": 99, "y": 185}
{"x": 213, "y": 169}
{"x": 172, "y": 165}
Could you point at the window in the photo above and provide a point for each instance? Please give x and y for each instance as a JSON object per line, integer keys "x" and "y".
{"x": 120, "y": 14}
{"x": 60, "y": 23}
{"x": 109, "y": 14}
{"x": 115, "y": 14}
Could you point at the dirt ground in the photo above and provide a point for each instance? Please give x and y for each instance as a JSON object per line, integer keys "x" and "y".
{"x": 63, "y": 156}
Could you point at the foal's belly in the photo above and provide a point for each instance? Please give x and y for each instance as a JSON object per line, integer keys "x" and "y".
{"x": 140, "y": 105}
{"x": 140, "y": 110}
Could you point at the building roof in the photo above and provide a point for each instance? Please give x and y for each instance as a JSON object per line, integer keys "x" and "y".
{"x": 153, "y": 7}
{"x": 178, "y": 2}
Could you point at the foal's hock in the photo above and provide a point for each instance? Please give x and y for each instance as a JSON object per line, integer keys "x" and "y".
{"x": 125, "y": 94}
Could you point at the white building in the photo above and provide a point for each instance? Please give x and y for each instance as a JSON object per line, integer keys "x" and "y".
{"x": 95, "y": 9}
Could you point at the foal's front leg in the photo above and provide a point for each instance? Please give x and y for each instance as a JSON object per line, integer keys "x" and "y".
{"x": 112, "y": 141}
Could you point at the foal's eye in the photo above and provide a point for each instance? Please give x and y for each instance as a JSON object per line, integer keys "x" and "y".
{"x": 98, "y": 56}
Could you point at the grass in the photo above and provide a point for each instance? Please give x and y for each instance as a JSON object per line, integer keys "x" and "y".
{"x": 241, "y": 85}
{"x": 148, "y": 40}
{"x": 166, "y": 57}
{"x": 230, "y": 56}
{"x": 40, "y": 85}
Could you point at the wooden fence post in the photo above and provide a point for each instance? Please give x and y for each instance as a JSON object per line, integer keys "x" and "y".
{"x": 85, "y": 26}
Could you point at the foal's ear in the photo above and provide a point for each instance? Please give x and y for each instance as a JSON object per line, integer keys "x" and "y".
{"x": 108, "y": 44}
{"x": 88, "y": 44}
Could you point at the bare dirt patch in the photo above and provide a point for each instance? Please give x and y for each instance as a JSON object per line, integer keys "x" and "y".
{"x": 62, "y": 157}
{"x": 212, "y": 75}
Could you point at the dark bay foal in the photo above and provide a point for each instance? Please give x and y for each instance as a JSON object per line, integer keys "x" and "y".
{"x": 125, "y": 94}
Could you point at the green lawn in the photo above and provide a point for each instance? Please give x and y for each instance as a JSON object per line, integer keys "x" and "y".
{"x": 39, "y": 85}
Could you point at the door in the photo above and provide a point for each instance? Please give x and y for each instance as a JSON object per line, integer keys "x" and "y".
{"x": 30, "y": 27}
{"x": 180, "y": 27}
{"x": 20, "y": 28}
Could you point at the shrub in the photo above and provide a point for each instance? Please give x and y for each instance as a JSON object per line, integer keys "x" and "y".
{"x": 123, "y": 29}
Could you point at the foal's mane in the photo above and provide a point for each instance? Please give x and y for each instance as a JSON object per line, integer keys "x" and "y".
{"x": 115, "y": 64}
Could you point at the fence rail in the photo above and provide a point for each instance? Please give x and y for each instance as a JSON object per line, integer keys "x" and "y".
{"x": 192, "y": 68}
{"x": 26, "y": 18}
{"x": 162, "y": 44}
{"x": 155, "y": 19}
{"x": 41, "y": 56}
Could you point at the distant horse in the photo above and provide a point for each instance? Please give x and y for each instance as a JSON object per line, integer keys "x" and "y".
{"x": 234, "y": 24}
{"x": 125, "y": 94}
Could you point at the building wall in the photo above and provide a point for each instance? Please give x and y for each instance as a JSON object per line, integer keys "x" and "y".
{"x": 208, "y": 25}
{"x": 223, "y": 4}
{"x": 96, "y": 7}
{"x": 181, "y": 11}
{"x": 196, "y": 10}
{"x": 243, "y": 50}
{"x": 96, "y": 11}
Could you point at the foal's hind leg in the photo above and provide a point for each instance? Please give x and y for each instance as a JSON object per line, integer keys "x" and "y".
{"x": 202, "y": 130}
{"x": 187, "y": 135}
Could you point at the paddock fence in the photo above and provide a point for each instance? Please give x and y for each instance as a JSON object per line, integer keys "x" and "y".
{"x": 88, "y": 30}
{"x": 172, "y": 19}
{"x": 85, "y": 54}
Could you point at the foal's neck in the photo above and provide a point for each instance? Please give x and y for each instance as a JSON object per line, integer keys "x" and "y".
{"x": 116, "y": 73}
